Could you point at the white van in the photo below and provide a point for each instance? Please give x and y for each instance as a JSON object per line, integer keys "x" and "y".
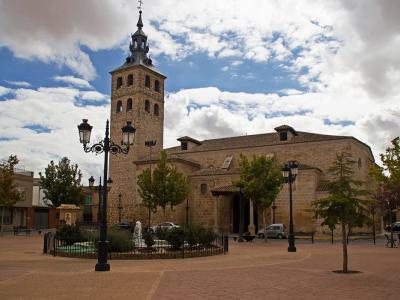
{"x": 273, "y": 231}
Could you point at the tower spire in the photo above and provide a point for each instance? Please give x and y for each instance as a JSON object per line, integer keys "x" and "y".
{"x": 140, "y": 23}
{"x": 139, "y": 46}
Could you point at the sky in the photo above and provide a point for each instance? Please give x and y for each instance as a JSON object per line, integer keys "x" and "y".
{"x": 233, "y": 68}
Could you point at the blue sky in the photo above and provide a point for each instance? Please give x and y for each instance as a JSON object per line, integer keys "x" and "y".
{"x": 318, "y": 66}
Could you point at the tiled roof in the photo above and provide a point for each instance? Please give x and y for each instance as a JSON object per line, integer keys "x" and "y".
{"x": 229, "y": 189}
{"x": 172, "y": 158}
{"x": 258, "y": 140}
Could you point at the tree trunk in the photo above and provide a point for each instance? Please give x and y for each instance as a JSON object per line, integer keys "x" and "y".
{"x": 344, "y": 242}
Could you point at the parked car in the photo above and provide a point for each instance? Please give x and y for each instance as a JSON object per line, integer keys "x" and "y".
{"x": 396, "y": 227}
{"x": 273, "y": 231}
{"x": 124, "y": 226}
{"x": 165, "y": 225}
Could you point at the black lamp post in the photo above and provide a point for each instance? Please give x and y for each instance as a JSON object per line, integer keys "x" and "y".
{"x": 106, "y": 146}
{"x": 100, "y": 191}
{"x": 289, "y": 172}
{"x": 119, "y": 208}
{"x": 273, "y": 212}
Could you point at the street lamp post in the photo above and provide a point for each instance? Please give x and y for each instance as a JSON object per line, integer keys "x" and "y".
{"x": 99, "y": 192}
{"x": 289, "y": 172}
{"x": 106, "y": 146}
{"x": 119, "y": 208}
{"x": 273, "y": 212}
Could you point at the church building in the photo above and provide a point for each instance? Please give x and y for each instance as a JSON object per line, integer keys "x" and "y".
{"x": 211, "y": 165}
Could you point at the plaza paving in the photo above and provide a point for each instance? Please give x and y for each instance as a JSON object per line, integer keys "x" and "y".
{"x": 250, "y": 271}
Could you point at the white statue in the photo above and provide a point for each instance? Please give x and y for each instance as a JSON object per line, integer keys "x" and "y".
{"x": 137, "y": 233}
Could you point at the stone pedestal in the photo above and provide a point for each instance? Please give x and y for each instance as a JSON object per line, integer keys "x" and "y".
{"x": 68, "y": 213}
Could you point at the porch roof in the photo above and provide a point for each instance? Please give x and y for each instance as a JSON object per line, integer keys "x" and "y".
{"x": 223, "y": 190}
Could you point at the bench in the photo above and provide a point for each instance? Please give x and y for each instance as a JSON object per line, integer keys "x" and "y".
{"x": 249, "y": 238}
{"x": 18, "y": 229}
{"x": 305, "y": 234}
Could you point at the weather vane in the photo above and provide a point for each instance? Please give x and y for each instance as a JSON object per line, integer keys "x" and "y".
{"x": 140, "y": 4}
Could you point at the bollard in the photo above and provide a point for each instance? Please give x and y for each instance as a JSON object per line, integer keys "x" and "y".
{"x": 226, "y": 244}
{"x": 45, "y": 243}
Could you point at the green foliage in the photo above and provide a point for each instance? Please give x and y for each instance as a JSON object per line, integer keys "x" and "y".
{"x": 176, "y": 237}
{"x": 161, "y": 233}
{"x": 165, "y": 187}
{"x": 206, "y": 237}
{"x": 148, "y": 239}
{"x": 119, "y": 240}
{"x": 61, "y": 183}
{"x": 69, "y": 234}
{"x": 146, "y": 190}
{"x": 387, "y": 178}
{"x": 9, "y": 194}
{"x": 261, "y": 180}
{"x": 345, "y": 203}
{"x": 192, "y": 235}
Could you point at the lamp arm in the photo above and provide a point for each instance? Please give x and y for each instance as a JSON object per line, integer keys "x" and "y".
{"x": 100, "y": 147}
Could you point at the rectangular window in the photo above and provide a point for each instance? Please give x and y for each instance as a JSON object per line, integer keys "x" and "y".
{"x": 6, "y": 212}
{"x": 227, "y": 162}
{"x": 203, "y": 188}
{"x": 184, "y": 146}
{"x": 283, "y": 136}
{"x": 88, "y": 200}
{"x": 87, "y": 213}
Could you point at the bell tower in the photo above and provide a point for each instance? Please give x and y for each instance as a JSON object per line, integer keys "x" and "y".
{"x": 137, "y": 95}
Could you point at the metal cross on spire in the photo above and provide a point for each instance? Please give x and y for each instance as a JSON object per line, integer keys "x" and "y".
{"x": 140, "y": 5}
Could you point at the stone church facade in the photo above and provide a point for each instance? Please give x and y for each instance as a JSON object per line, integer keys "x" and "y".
{"x": 211, "y": 165}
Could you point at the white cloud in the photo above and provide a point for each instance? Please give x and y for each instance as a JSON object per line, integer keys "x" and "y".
{"x": 210, "y": 113}
{"x": 55, "y": 110}
{"x": 4, "y": 90}
{"x": 18, "y": 83}
{"x": 345, "y": 53}
{"x": 55, "y": 30}
{"x": 291, "y": 92}
{"x": 78, "y": 82}
{"x": 93, "y": 95}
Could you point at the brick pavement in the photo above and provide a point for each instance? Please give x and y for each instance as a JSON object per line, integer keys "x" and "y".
{"x": 249, "y": 271}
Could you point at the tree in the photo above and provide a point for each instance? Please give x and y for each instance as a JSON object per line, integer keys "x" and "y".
{"x": 387, "y": 179}
{"x": 166, "y": 186}
{"x": 146, "y": 192}
{"x": 345, "y": 205}
{"x": 9, "y": 194}
{"x": 261, "y": 180}
{"x": 61, "y": 183}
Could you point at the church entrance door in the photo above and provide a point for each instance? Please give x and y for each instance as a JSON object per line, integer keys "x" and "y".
{"x": 236, "y": 214}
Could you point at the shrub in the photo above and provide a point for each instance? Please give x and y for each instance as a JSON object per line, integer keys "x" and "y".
{"x": 161, "y": 233}
{"x": 192, "y": 233}
{"x": 176, "y": 237}
{"x": 206, "y": 237}
{"x": 119, "y": 240}
{"x": 148, "y": 239}
{"x": 69, "y": 234}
